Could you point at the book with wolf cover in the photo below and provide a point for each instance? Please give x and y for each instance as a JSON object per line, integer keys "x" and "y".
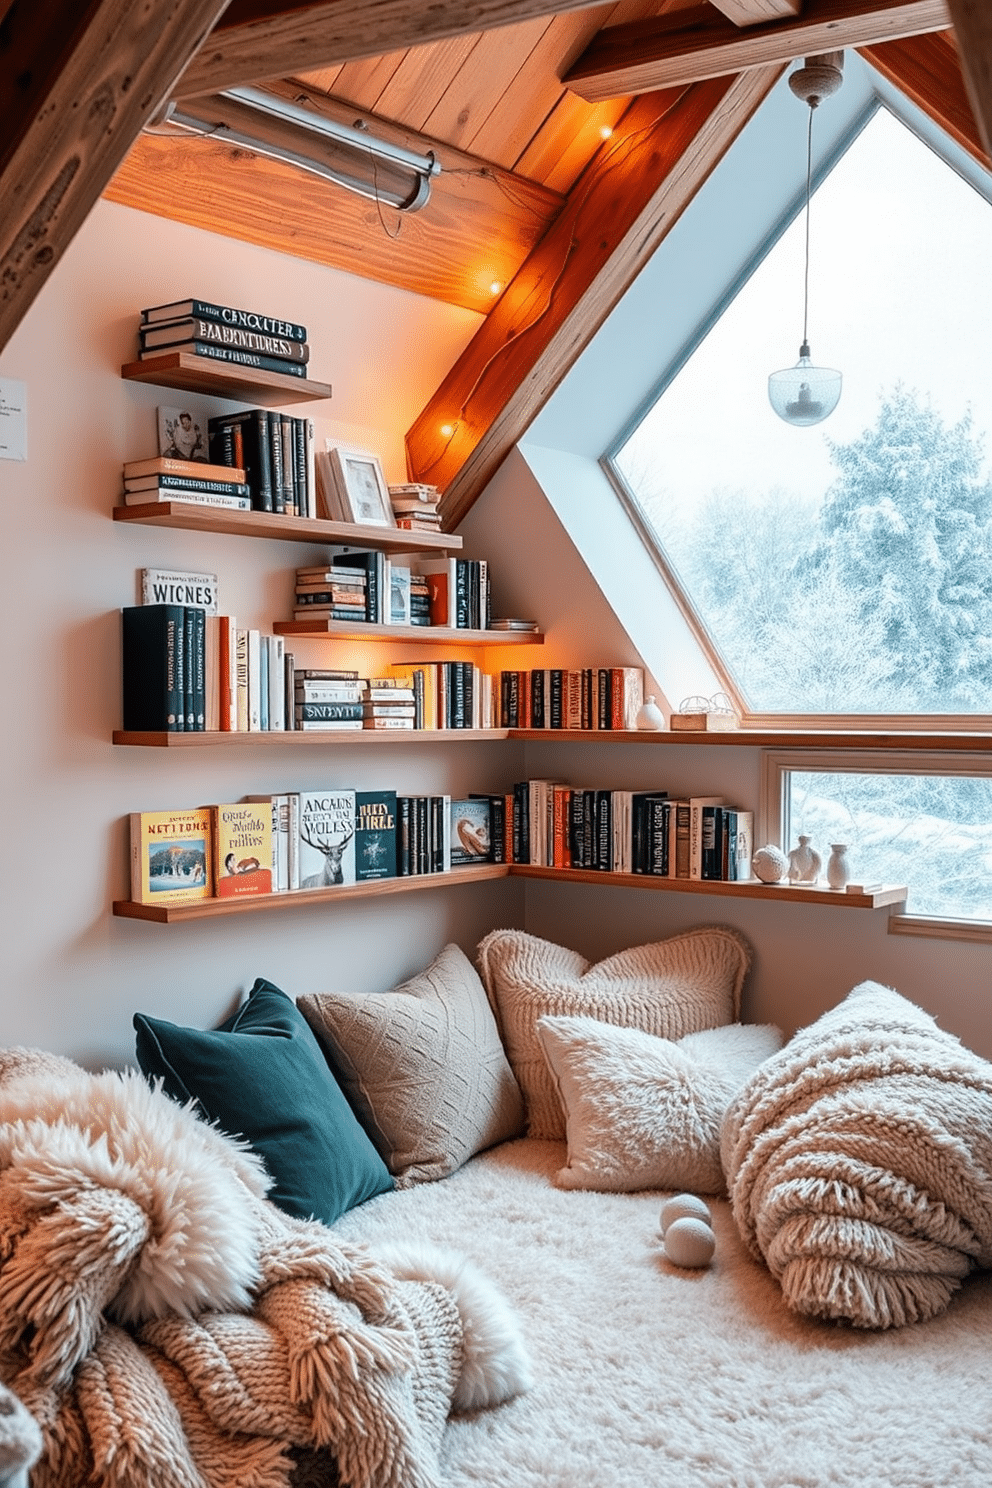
{"x": 375, "y": 835}
{"x": 327, "y": 838}
{"x": 242, "y": 848}
{"x": 170, "y": 856}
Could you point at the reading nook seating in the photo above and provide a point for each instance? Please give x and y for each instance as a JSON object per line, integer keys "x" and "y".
{"x": 457, "y": 1277}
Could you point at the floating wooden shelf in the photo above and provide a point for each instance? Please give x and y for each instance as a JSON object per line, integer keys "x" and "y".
{"x": 969, "y": 743}
{"x": 197, "y": 518}
{"x": 424, "y": 635}
{"x": 193, "y": 374}
{"x": 751, "y": 889}
{"x": 293, "y": 738}
{"x": 205, "y": 909}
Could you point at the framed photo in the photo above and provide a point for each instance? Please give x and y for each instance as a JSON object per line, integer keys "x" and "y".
{"x": 361, "y": 486}
{"x": 182, "y": 433}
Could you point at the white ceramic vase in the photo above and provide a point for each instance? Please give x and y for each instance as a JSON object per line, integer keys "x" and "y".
{"x": 804, "y": 862}
{"x": 838, "y": 868}
{"x": 650, "y": 716}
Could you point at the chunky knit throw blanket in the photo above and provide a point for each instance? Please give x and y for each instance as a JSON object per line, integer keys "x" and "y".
{"x": 859, "y": 1163}
{"x": 168, "y": 1327}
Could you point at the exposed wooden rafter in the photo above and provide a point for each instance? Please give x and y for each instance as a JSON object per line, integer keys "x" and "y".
{"x": 618, "y": 212}
{"x": 479, "y": 227}
{"x": 753, "y": 12}
{"x": 77, "y": 82}
{"x": 928, "y": 70}
{"x": 973, "y": 28}
{"x": 688, "y": 46}
{"x": 261, "y": 39}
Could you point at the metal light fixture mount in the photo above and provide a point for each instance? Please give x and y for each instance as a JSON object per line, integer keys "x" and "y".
{"x": 806, "y": 394}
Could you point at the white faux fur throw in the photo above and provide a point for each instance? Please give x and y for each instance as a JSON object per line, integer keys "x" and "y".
{"x": 859, "y": 1163}
{"x": 168, "y": 1327}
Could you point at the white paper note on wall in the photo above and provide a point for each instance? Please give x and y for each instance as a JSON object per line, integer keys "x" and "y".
{"x": 13, "y": 419}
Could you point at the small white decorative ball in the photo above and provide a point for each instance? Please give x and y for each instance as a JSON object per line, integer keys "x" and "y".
{"x": 683, "y": 1206}
{"x": 690, "y": 1242}
{"x": 769, "y": 863}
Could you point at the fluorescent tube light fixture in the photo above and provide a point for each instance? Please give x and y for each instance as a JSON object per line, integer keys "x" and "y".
{"x": 349, "y": 156}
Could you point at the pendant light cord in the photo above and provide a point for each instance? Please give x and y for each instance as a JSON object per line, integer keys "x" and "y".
{"x": 809, "y": 177}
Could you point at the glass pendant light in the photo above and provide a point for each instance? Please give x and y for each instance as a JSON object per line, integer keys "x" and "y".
{"x": 805, "y": 394}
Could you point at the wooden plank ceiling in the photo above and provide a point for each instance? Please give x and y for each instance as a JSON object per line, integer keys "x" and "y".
{"x": 570, "y": 137}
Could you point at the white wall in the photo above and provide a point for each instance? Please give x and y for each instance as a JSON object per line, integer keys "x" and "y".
{"x": 73, "y": 974}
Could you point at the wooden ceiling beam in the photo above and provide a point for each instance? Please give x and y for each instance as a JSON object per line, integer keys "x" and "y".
{"x": 259, "y": 39}
{"x": 927, "y": 69}
{"x": 77, "y": 82}
{"x": 620, "y": 209}
{"x": 753, "y": 12}
{"x": 687, "y": 46}
{"x": 973, "y": 29}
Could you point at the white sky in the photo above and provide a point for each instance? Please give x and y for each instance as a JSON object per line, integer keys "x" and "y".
{"x": 900, "y": 291}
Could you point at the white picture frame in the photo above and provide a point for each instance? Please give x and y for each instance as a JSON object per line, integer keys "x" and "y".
{"x": 361, "y": 486}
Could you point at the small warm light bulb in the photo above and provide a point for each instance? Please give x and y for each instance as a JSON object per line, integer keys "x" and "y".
{"x": 495, "y": 287}
{"x": 447, "y": 430}
{"x": 605, "y": 131}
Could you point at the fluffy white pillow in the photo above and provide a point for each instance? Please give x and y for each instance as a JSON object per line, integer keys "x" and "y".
{"x": 669, "y": 988}
{"x": 644, "y": 1112}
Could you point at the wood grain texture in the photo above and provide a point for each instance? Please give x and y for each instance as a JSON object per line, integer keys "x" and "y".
{"x": 619, "y": 211}
{"x": 265, "y": 40}
{"x": 749, "y": 889}
{"x": 672, "y": 51}
{"x": 76, "y": 85}
{"x": 973, "y": 29}
{"x": 753, "y": 12}
{"x": 479, "y": 226}
{"x": 182, "y": 369}
{"x": 195, "y": 518}
{"x": 928, "y": 70}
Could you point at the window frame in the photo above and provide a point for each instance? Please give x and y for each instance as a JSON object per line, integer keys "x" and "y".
{"x": 773, "y": 825}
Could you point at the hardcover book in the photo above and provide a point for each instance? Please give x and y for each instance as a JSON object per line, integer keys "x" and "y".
{"x": 170, "y": 856}
{"x": 327, "y": 838}
{"x": 242, "y": 848}
{"x": 375, "y": 835}
{"x": 471, "y": 841}
{"x": 251, "y": 320}
{"x": 153, "y": 670}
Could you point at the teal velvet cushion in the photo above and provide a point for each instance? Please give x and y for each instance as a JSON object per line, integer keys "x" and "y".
{"x": 261, "y": 1075}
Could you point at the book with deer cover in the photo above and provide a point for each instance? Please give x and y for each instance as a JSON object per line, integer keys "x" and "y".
{"x": 327, "y": 838}
{"x": 242, "y": 848}
{"x": 170, "y": 856}
{"x": 375, "y": 835}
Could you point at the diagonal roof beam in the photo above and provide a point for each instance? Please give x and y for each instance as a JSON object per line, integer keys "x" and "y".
{"x": 927, "y": 70}
{"x": 620, "y": 209}
{"x": 973, "y": 28}
{"x": 687, "y": 46}
{"x": 77, "y": 82}
{"x": 260, "y": 39}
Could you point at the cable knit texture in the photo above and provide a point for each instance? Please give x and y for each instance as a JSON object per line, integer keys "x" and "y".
{"x": 669, "y": 988}
{"x": 859, "y": 1163}
{"x": 166, "y": 1339}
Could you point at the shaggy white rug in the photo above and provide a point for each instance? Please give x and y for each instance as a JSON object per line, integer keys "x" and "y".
{"x": 651, "y": 1377}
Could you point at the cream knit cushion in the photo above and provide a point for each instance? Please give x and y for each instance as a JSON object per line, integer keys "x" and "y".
{"x": 423, "y": 1067}
{"x": 669, "y": 988}
{"x": 643, "y": 1112}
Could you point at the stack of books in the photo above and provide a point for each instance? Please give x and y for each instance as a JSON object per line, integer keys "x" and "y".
{"x": 331, "y": 591}
{"x": 225, "y": 334}
{"x": 388, "y": 704}
{"x": 191, "y": 481}
{"x": 275, "y": 451}
{"x": 327, "y": 699}
{"x": 416, "y": 506}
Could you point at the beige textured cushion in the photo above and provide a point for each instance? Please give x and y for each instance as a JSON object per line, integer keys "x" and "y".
{"x": 669, "y": 988}
{"x": 423, "y": 1066}
{"x": 644, "y": 1112}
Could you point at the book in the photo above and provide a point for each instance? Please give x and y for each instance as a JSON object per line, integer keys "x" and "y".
{"x": 251, "y": 320}
{"x": 305, "y": 712}
{"x": 242, "y": 848}
{"x": 327, "y": 838}
{"x": 243, "y": 439}
{"x": 375, "y": 835}
{"x": 196, "y": 328}
{"x": 170, "y": 856}
{"x": 279, "y": 806}
{"x": 191, "y": 469}
{"x": 227, "y": 674}
{"x": 172, "y": 586}
{"x": 696, "y": 805}
{"x": 209, "y": 352}
{"x": 153, "y": 668}
{"x": 188, "y": 498}
{"x": 626, "y": 696}
{"x": 183, "y": 483}
{"x": 738, "y": 843}
{"x": 471, "y": 839}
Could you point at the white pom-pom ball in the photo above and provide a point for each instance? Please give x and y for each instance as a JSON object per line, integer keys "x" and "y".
{"x": 690, "y": 1242}
{"x": 683, "y": 1206}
